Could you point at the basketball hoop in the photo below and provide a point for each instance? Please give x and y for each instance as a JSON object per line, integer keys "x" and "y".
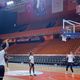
{"x": 69, "y": 30}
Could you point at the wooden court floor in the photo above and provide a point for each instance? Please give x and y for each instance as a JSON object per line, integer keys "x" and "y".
{"x": 19, "y": 71}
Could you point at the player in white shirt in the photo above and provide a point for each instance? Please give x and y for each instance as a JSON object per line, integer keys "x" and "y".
{"x": 70, "y": 61}
{"x": 31, "y": 63}
{"x": 2, "y": 60}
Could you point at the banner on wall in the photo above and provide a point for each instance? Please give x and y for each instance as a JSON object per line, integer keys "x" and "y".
{"x": 78, "y": 9}
{"x": 30, "y": 39}
{"x": 22, "y": 39}
{"x": 57, "y": 6}
{"x": 40, "y": 7}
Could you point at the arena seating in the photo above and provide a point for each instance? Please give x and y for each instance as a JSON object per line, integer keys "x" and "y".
{"x": 22, "y": 48}
{"x": 59, "y": 47}
{"x": 48, "y": 47}
{"x": 55, "y": 46}
{"x": 48, "y": 60}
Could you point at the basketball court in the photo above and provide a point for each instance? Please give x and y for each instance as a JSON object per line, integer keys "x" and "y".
{"x": 38, "y": 26}
{"x": 18, "y": 71}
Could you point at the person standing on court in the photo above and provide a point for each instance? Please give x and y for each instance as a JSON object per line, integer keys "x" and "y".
{"x": 70, "y": 60}
{"x": 2, "y": 59}
{"x": 31, "y": 63}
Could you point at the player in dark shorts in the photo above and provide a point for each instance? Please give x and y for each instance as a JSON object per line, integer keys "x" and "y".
{"x": 70, "y": 60}
{"x": 6, "y": 59}
{"x": 31, "y": 63}
{"x": 2, "y": 60}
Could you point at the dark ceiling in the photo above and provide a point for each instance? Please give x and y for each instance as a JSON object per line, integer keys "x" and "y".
{"x": 25, "y": 13}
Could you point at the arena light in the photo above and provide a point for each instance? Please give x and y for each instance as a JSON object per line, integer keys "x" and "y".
{"x": 10, "y": 3}
{"x": 38, "y": 3}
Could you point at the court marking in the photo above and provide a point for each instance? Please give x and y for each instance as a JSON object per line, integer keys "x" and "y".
{"x": 21, "y": 73}
{"x": 48, "y": 72}
{"x": 46, "y": 76}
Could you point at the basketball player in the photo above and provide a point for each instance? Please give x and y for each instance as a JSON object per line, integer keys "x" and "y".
{"x": 70, "y": 61}
{"x": 2, "y": 60}
{"x": 31, "y": 63}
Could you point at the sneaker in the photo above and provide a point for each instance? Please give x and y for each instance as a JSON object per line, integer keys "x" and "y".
{"x": 34, "y": 74}
{"x": 30, "y": 75}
